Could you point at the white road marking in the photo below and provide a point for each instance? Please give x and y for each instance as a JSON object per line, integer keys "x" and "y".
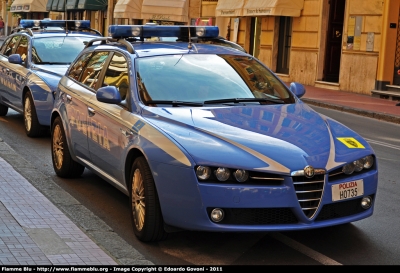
{"x": 382, "y": 144}
{"x": 321, "y": 258}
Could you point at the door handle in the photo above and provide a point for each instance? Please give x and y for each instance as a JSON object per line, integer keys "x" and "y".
{"x": 126, "y": 133}
{"x": 69, "y": 98}
{"x": 91, "y": 112}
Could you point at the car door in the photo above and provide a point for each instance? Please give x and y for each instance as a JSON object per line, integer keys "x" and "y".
{"x": 19, "y": 72}
{"x": 7, "y": 77}
{"x": 75, "y": 96}
{"x": 109, "y": 130}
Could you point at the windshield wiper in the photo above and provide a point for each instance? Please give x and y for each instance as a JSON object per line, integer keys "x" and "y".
{"x": 175, "y": 103}
{"x": 238, "y": 100}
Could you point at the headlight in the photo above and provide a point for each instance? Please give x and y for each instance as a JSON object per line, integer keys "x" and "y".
{"x": 222, "y": 174}
{"x": 368, "y": 161}
{"x": 203, "y": 173}
{"x": 241, "y": 175}
{"x": 358, "y": 165}
{"x": 349, "y": 168}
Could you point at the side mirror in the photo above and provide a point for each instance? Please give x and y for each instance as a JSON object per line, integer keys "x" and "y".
{"x": 108, "y": 94}
{"x": 15, "y": 59}
{"x": 298, "y": 89}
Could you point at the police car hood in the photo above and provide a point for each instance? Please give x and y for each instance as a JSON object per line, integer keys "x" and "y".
{"x": 52, "y": 69}
{"x": 50, "y": 74}
{"x": 283, "y": 138}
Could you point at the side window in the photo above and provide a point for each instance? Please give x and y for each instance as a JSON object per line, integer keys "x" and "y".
{"x": 93, "y": 69}
{"x": 9, "y": 46}
{"x": 22, "y": 48}
{"x": 77, "y": 67}
{"x": 117, "y": 75}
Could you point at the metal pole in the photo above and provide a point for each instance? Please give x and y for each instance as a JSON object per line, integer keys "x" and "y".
{"x": 65, "y": 10}
{"x": 6, "y": 21}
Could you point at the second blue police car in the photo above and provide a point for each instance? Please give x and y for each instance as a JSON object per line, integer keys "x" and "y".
{"x": 203, "y": 136}
{"x": 32, "y": 61}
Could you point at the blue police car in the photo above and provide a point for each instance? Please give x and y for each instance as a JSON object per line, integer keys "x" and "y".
{"x": 32, "y": 61}
{"x": 203, "y": 136}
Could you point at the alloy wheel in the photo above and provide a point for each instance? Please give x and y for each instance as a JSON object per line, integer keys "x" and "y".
{"x": 138, "y": 200}
{"x": 28, "y": 114}
{"x": 58, "y": 150}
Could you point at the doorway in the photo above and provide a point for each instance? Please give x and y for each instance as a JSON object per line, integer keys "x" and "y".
{"x": 396, "y": 73}
{"x": 333, "y": 49}
{"x": 255, "y": 34}
{"x": 284, "y": 44}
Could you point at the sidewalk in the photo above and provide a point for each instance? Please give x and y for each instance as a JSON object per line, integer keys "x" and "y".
{"x": 363, "y": 105}
{"x": 37, "y": 231}
{"x": 33, "y": 231}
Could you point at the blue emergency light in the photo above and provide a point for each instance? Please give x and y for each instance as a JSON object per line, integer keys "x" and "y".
{"x": 148, "y": 31}
{"x": 78, "y": 24}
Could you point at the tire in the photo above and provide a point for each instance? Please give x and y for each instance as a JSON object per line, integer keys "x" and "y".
{"x": 31, "y": 122}
{"x": 147, "y": 220}
{"x": 3, "y": 110}
{"x": 63, "y": 164}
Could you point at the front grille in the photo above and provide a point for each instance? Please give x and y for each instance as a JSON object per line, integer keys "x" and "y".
{"x": 340, "y": 209}
{"x": 257, "y": 216}
{"x": 309, "y": 192}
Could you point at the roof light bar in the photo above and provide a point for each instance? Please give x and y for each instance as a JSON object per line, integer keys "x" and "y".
{"x": 81, "y": 24}
{"x": 147, "y": 31}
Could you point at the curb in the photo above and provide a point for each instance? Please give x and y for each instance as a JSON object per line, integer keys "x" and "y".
{"x": 360, "y": 112}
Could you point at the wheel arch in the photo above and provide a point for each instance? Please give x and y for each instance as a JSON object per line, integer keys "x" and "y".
{"x": 24, "y": 91}
{"x": 54, "y": 114}
{"x": 130, "y": 158}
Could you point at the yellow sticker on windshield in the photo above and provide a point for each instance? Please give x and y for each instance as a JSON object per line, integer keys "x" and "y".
{"x": 351, "y": 142}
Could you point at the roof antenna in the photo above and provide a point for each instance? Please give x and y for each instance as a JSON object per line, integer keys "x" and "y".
{"x": 190, "y": 39}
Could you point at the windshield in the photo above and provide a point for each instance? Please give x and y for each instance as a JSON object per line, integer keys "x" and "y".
{"x": 208, "y": 78}
{"x": 57, "y": 50}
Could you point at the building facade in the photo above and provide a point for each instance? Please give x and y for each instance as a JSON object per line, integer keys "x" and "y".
{"x": 350, "y": 45}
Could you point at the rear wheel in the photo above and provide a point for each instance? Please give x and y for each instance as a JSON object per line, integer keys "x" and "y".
{"x": 63, "y": 164}
{"x": 147, "y": 220}
{"x": 3, "y": 110}
{"x": 32, "y": 126}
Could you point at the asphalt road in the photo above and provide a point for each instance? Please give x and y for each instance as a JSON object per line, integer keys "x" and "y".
{"x": 103, "y": 213}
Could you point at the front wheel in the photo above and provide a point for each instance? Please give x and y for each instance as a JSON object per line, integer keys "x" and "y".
{"x": 3, "y": 110}
{"x": 32, "y": 126}
{"x": 147, "y": 220}
{"x": 63, "y": 164}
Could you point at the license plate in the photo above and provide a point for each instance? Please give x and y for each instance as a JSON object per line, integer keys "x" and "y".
{"x": 347, "y": 190}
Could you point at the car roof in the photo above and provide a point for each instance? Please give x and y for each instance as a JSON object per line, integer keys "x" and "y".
{"x": 147, "y": 49}
{"x": 204, "y": 40}
{"x": 57, "y": 34}
{"x": 38, "y": 28}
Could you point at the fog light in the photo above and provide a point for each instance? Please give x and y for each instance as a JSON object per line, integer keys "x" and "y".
{"x": 366, "y": 202}
{"x": 217, "y": 215}
{"x": 222, "y": 174}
